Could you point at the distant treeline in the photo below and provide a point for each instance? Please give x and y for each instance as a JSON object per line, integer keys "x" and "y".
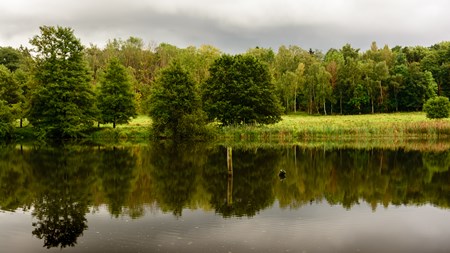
{"x": 343, "y": 80}
{"x": 339, "y": 81}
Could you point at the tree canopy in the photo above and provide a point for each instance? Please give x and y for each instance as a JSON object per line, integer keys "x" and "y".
{"x": 63, "y": 102}
{"x": 115, "y": 98}
{"x": 239, "y": 91}
{"x": 175, "y": 105}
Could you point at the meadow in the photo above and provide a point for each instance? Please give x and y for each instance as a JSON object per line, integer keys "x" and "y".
{"x": 344, "y": 127}
{"x": 382, "y": 128}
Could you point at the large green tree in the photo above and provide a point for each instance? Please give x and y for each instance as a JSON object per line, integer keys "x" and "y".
{"x": 239, "y": 91}
{"x": 63, "y": 103}
{"x": 115, "y": 97}
{"x": 175, "y": 105}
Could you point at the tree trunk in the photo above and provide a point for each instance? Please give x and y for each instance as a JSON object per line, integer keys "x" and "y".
{"x": 21, "y": 120}
{"x": 310, "y": 105}
{"x": 340, "y": 102}
{"x": 396, "y": 102}
{"x": 381, "y": 95}
{"x": 295, "y": 100}
{"x": 287, "y": 105}
{"x": 114, "y": 122}
{"x": 371, "y": 101}
{"x": 439, "y": 88}
{"x": 324, "y": 108}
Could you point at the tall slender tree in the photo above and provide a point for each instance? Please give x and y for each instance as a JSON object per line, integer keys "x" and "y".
{"x": 115, "y": 97}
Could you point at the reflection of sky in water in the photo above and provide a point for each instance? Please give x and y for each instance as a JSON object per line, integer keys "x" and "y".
{"x": 312, "y": 228}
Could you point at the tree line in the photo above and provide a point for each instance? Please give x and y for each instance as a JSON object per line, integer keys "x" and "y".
{"x": 62, "y": 87}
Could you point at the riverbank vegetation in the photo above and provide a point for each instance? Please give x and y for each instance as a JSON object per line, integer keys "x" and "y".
{"x": 53, "y": 86}
{"x": 393, "y": 126}
{"x": 396, "y": 130}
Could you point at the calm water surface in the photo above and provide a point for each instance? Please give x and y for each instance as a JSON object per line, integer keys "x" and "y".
{"x": 190, "y": 198}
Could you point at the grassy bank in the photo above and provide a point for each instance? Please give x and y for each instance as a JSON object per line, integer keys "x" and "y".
{"x": 299, "y": 128}
{"x": 396, "y": 126}
{"x": 138, "y": 129}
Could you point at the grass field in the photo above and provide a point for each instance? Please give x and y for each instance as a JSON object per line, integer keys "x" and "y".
{"x": 374, "y": 126}
{"x": 137, "y": 128}
{"x": 379, "y": 129}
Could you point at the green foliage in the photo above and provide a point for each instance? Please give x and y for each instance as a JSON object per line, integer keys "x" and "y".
{"x": 437, "y": 107}
{"x": 63, "y": 103}
{"x": 175, "y": 105}
{"x": 115, "y": 97}
{"x": 6, "y": 120}
{"x": 9, "y": 89}
{"x": 239, "y": 91}
{"x": 12, "y": 87}
{"x": 10, "y": 58}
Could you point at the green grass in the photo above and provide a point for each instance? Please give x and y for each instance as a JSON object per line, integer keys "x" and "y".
{"x": 370, "y": 130}
{"x": 359, "y": 127}
{"x": 139, "y": 121}
{"x": 137, "y": 129}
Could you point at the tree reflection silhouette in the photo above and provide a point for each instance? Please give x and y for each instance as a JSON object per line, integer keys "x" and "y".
{"x": 116, "y": 172}
{"x": 254, "y": 174}
{"x": 174, "y": 170}
{"x": 63, "y": 182}
{"x": 63, "y": 195}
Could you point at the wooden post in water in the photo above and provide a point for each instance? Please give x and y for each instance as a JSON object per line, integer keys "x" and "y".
{"x": 230, "y": 176}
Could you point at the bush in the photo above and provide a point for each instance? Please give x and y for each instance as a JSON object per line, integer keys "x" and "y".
{"x": 437, "y": 108}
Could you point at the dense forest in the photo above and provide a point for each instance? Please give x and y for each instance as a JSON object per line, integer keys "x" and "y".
{"x": 339, "y": 81}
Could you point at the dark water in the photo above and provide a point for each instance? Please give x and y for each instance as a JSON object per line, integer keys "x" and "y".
{"x": 183, "y": 198}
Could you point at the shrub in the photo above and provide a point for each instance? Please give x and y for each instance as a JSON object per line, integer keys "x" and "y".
{"x": 437, "y": 108}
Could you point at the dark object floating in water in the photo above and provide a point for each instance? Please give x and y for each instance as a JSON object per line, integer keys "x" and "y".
{"x": 282, "y": 174}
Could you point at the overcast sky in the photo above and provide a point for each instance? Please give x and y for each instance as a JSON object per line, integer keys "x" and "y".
{"x": 234, "y": 25}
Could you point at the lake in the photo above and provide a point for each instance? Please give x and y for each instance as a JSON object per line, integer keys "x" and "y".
{"x": 168, "y": 197}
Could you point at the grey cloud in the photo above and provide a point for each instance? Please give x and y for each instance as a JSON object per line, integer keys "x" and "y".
{"x": 355, "y": 22}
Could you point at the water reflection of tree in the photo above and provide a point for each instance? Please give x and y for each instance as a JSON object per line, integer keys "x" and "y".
{"x": 62, "y": 194}
{"x": 61, "y": 181}
{"x": 254, "y": 174}
{"x": 347, "y": 177}
{"x": 116, "y": 172}
{"x": 175, "y": 167}
{"x": 14, "y": 179}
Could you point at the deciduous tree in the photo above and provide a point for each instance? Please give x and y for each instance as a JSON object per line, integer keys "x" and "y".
{"x": 63, "y": 103}
{"x": 239, "y": 91}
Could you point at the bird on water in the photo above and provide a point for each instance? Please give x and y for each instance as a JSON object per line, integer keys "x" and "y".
{"x": 282, "y": 174}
